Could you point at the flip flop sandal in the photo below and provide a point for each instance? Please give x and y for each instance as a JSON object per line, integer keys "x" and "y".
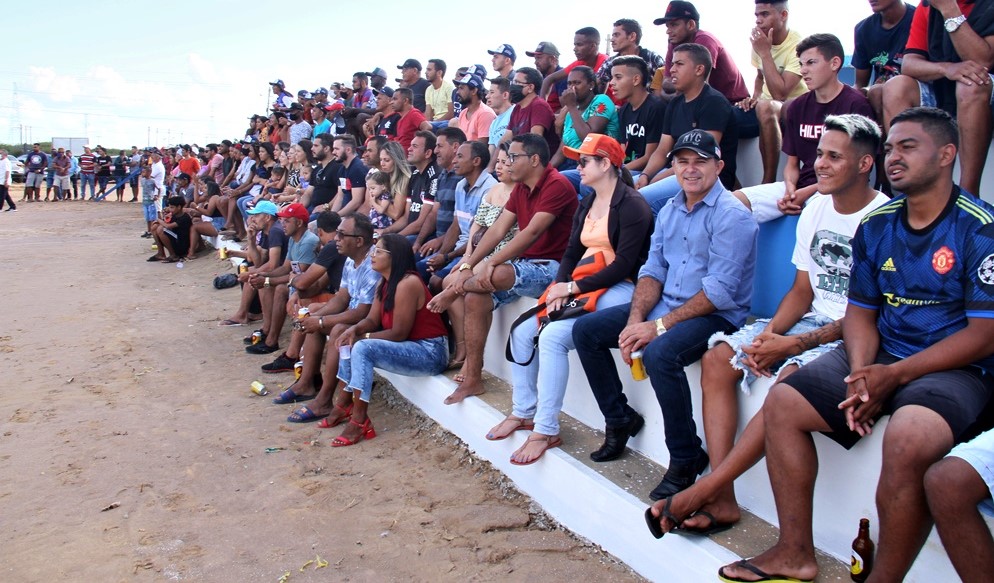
{"x": 304, "y": 415}
{"x": 653, "y": 522}
{"x": 550, "y": 442}
{"x": 713, "y": 527}
{"x": 231, "y": 323}
{"x": 154, "y": 258}
{"x": 519, "y": 424}
{"x": 288, "y": 396}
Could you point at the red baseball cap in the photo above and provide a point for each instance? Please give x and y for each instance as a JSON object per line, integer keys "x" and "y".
{"x": 598, "y": 145}
{"x": 294, "y": 211}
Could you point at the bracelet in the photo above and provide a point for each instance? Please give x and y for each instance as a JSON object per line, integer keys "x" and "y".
{"x": 265, "y": 282}
{"x": 367, "y": 335}
{"x": 320, "y": 323}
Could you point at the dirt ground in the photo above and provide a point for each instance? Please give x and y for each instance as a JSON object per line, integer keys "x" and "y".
{"x": 131, "y": 448}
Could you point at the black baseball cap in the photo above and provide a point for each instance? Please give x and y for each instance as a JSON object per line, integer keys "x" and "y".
{"x": 676, "y": 10}
{"x": 410, "y": 64}
{"x": 699, "y": 141}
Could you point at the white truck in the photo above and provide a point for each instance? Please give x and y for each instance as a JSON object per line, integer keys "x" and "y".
{"x": 75, "y": 145}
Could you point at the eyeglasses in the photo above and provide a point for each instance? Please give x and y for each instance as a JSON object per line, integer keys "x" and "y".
{"x": 341, "y": 233}
{"x": 378, "y": 250}
{"x": 583, "y": 161}
{"x": 512, "y": 158}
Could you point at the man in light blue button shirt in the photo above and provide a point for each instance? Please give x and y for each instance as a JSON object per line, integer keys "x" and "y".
{"x": 697, "y": 281}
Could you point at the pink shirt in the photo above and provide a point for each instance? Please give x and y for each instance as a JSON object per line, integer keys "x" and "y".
{"x": 477, "y": 125}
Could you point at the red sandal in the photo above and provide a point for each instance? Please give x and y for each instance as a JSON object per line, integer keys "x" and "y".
{"x": 340, "y": 416}
{"x": 367, "y": 433}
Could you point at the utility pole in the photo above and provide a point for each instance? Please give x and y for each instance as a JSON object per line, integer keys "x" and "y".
{"x": 148, "y": 137}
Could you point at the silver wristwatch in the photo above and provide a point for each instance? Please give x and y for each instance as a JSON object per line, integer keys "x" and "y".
{"x": 953, "y": 24}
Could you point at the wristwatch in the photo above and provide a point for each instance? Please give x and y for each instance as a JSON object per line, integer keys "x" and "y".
{"x": 465, "y": 266}
{"x": 660, "y": 329}
{"x": 569, "y": 288}
{"x": 265, "y": 282}
{"x": 953, "y": 24}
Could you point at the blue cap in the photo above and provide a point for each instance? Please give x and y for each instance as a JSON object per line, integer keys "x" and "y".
{"x": 471, "y": 80}
{"x": 478, "y": 70}
{"x": 506, "y": 50}
{"x": 264, "y": 207}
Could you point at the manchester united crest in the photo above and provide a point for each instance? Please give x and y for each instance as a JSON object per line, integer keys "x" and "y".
{"x": 943, "y": 260}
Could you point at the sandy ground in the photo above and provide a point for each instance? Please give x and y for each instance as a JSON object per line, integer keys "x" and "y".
{"x": 118, "y": 388}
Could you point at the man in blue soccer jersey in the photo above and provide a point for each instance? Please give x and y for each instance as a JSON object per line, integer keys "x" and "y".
{"x": 916, "y": 345}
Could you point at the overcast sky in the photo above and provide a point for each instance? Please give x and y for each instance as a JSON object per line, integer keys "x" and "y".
{"x": 185, "y": 71}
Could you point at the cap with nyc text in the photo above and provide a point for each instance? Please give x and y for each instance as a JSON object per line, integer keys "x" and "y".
{"x": 698, "y": 141}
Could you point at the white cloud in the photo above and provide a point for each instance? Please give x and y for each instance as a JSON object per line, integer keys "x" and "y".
{"x": 59, "y": 88}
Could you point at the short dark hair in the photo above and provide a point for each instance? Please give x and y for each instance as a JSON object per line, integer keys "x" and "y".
{"x": 478, "y": 149}
{"x": 439, "y": 64}
{"x": 405, "y": 93}
{"x": 327, "y": 140}
{"x": 778, "y": 4}
{"x": 183, "y": 176}
{"x": 532, "y": 76}
{"x": 363, "y": 226}
{"x": 633, "y": 62}
{"x": 176, "y": 201}
{"x": 827, "y": 44}
{"x": 936, "y": 123}
{"x": 361, "y": 76}
{"x": 210, "y": 147}
{"x": 534, "y": 144}
{"x": 328, "y": 221}
{"x": 452, "y": 135}
{"x": 699, "y": 54}
{"x": 428, "y": 137}
{"x": 591, "y": 33}
{"x": 347, "y": 140}
{"x": 402, "y": 262}
{"x": 503, "y": 84}
{"x": 629, "y": 26}
{"x": 587, "y": 73}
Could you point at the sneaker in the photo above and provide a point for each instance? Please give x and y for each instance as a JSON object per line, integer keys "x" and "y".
{"x": 9, "y": 210}
{"x": 261, "y": 348}
{"x": 146, "y": 235}
{"x": 283, "y": 363}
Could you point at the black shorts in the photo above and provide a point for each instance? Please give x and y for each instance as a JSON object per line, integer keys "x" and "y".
{"x": 134, "y": 182}
{"x": 958, "y": 396}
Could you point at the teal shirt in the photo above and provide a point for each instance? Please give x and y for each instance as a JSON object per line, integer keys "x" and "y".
{"x": 600, "y": 105}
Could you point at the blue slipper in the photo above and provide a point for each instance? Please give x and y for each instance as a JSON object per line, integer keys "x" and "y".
{"x": 288, "y": 396}
{"x": 304, "y": 415}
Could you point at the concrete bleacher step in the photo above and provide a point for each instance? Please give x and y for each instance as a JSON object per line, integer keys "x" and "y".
{"x": 600, "y": 502}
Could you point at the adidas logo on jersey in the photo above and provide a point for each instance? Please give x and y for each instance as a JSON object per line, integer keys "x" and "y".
{"x": 888, "y": 265}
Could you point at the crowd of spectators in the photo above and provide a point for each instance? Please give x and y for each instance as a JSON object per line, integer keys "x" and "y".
{"x": 388, "y": 224}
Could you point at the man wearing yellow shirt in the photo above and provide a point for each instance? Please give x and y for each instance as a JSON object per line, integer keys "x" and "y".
{"x": 778, "y": 78}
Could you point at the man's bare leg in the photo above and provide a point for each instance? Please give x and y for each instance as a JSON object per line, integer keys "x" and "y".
{"x": 244, "y": 302}
{"x": 309, "y": 348}
{"x": 479, "y": 305}
{"x": 899, "y": 93}
{"x": 954, "y": 488}
{"x": 793, "y": 464}
{"x": 266, "y": 300}
{"x": 280, "y": 296}
{"x": 915, "y": 439}
{"x": 973, "y": 103}
{"x": 770, "y": 138}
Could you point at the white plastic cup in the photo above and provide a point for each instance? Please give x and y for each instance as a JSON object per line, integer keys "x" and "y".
{"x": 345, "y": 352}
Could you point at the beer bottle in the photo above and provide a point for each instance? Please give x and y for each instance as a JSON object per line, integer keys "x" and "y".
{"x": 861, "y": 562}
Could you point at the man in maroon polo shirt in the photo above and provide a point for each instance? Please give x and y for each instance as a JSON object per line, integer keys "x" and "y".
{"x": 411, "y": 119}
{"x": 542, "y": 204}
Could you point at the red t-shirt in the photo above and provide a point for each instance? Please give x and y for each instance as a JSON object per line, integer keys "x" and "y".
{"x": 918, "y": 37}
{"x": 408, "y": 124}
{"x": 554, "y": 195}
{"x": 86, "y": 163}
{"x": 190, "y": 166}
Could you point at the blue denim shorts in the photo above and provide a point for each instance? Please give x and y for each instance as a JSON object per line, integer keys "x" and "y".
{"x": 151, "y": 211}
{"x": 746, "y": 334}
{"x": 927, "y": 95}
{"x": 531, "y": 277}
{"x": 218, "y": 223}
{"x": 979, "y": 453}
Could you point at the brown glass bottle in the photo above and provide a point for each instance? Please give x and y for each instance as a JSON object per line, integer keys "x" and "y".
{"x": 861, "y": 562}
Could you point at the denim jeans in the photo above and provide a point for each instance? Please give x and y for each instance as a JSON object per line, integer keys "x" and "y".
{"x": 665, "y": 358}
{"x": 539, "y": 389}
{"x": 531, "y": 277}
{"x": 410, "y": 358}
{"x": 102, "y": 182}
{"x": 85, "y": 179}
{"x": 242, "y": 204}
{"x": 659, "y": 193}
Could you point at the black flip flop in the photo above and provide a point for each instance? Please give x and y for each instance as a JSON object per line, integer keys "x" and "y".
{"x": 653, "y": 522}
{"x": 714, "y": 527}
{"x": 154, "y": 258}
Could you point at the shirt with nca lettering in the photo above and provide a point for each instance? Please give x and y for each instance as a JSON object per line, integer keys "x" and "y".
{"x": 642, "y": 126}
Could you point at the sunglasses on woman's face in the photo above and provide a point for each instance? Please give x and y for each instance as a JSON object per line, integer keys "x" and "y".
{"x": 583, "y": 161}
{"x": 378, "y": 250}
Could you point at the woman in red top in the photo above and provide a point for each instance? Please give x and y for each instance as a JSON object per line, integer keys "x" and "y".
{"x": 399, "y": 335}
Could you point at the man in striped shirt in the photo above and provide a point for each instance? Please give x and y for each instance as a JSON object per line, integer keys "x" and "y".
{"x": 87, "y": 173}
